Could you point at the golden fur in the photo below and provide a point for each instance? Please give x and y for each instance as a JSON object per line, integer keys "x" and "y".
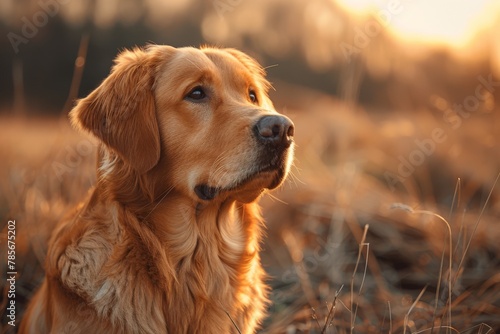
{"x": 168, "y": 239}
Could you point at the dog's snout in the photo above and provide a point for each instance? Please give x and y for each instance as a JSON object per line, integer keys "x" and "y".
{"x": 274, "y": 130}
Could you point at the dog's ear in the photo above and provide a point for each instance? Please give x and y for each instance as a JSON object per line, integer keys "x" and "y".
{"x": 252, "y": 65}
{"x": 121, "y": 112}
{"x": 258, "y": 72}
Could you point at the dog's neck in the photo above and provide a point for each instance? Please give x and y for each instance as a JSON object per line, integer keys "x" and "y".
{"x": 220, "y": 226}
{"x": 183, "y": 226}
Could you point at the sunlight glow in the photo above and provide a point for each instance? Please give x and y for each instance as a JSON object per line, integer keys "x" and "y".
{"x": 449, "y": 22}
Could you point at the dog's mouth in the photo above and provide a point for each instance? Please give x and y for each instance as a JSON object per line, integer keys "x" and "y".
{"x": 267, "y": 176}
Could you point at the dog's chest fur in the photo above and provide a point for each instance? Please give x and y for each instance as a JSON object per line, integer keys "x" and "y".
{"x": 187, "y": 265}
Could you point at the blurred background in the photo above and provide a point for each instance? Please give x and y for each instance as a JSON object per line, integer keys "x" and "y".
{"x": 389, "y": 222}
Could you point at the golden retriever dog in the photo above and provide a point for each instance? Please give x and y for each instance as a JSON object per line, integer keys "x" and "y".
{"x": 168, "y": 239}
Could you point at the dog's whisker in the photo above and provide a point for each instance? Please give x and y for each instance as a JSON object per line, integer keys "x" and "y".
{"x": 158, "y": 202}
{"x": 276, "y": 198}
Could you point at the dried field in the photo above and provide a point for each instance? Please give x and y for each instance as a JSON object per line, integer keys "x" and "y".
{"x": 389, "y": 223}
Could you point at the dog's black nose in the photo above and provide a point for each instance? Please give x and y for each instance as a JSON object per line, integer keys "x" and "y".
{"x": 274, "y": 130}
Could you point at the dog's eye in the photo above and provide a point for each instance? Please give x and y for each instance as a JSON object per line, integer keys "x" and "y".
{"x": 196, "y": 94}
{"x": 253, "y": 96}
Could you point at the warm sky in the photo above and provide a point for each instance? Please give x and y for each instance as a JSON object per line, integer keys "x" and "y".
{"x": 451, "y": 22}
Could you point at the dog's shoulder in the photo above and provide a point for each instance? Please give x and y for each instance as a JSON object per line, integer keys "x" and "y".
{"x": 94, "y": 257}
{"x": 80, "y": 246}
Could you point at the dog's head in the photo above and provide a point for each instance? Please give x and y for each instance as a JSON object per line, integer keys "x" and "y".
{"x": 195, "y": 120}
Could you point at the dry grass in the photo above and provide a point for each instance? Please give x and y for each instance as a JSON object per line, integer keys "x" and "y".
{"x": 427, "y": 266}
{"x": 342, "y": 255}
